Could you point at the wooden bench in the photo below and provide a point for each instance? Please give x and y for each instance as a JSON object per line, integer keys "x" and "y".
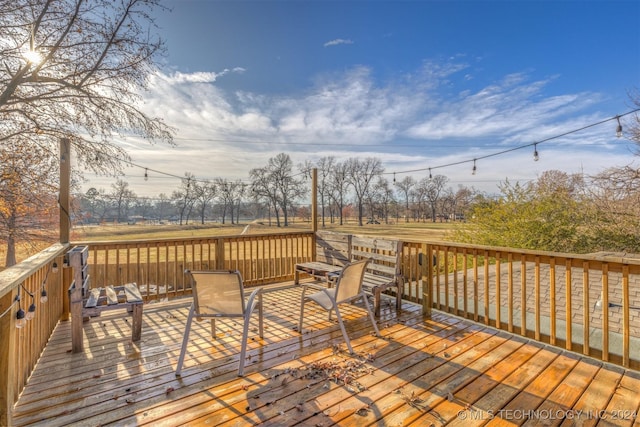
{"x": 335, "y": 250}
{"x": 383, "y": 272}
{"x": 86, "y": 303}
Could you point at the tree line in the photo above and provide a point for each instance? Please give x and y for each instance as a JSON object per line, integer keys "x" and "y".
{"x": 281, "y": 191}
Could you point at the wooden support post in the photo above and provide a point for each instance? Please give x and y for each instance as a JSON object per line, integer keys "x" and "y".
{"x": 427, "y": 279}
{"x": 77, "y": 340}
{"x": 314, "y": 200}
{"x": 136, "y": 322}
{"x": 65, "y": 180}
{"x": 220, "y": 254}
{"x": 67, "y": 278}
{"x": 7, "y": 358}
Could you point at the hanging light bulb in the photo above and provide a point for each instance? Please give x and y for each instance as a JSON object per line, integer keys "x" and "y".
{"x": 619, "y": 128}
{"x": 430, "y": 177}
{"x": 54, "y": 267}
{"x": 536, "y": 156}
{"x": 31, "y": 313}
{"x": 394, "y": 177}
{"x": 473, "y": 171}
{"x": 146, "y": 174}
{"x": 43, "y": 296}
{"x": 20, "y": 322}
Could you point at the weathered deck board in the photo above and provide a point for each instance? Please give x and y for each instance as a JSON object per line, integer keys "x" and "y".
{"x": 420, "y": 372}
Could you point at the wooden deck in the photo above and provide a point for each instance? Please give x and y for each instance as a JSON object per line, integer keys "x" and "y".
{"x": 422, "y": 372}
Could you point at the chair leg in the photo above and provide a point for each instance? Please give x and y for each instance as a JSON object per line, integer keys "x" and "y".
{"x": 243, "y": 350}
{"x": 213, "y": 328}
{"x": 373, "y": 320}
{"x": 185, "y": 340}
{"x": 344, "y": 331}
{"x": 260, "y": 321}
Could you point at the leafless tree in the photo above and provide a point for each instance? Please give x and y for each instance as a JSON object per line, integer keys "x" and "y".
{"x": 384, "y": 198}
{"x": 163, "y": 205}
{"x": 205, "y": 193}
{"x": 435, "y": 187}
{"x": 404, "y": 187}
{"x": 614, "y": 197}
{"x": 263, "y": 190}
{"x": 27, "y": 194}
{"x": 361, "y": 174}
{"x": 122, "y": 197}
{"x": 76, "y": 69}
{"x": 276, "y": 184}
{"x": 339, "y": 187}
{"x": 184, "y": 197}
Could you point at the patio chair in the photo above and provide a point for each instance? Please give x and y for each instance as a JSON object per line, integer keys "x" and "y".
{"x": 348, "y": 289}
{"x": 221, "y": 294}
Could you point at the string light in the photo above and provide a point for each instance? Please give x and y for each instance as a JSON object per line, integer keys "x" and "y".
{"x": 18, "y": 315}
{"x": 43, "y": 291}
{"x": 20, "y": 320}
{"x": 619, "y": 128}
{"x": 473, "y": 171}
{"x": 618, "y": 133}
{"x": 430, "y": 177}
{"x": 146, "y": 174}
{"x": 394, "y": 177}
{"x": 536, "y": 156}
{"x": 31, "y": 312}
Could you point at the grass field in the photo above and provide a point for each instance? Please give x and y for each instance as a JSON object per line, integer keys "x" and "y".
{"x": 109, "y": 232}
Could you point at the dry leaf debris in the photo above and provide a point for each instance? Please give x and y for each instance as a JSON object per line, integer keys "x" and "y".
{"x": 344, "y": 372}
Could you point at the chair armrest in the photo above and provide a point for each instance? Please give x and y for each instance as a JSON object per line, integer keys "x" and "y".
{"x": 251, "y": 304}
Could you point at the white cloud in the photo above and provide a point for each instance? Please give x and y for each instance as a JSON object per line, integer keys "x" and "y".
{"x": 201, "y": 77}
{"x": 222, "y": 133}
{"x": 336, "y": 42}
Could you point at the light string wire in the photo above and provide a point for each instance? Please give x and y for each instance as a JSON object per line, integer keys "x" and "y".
{"x": 430, "y": 168}
{"x": 532, "y": 144}
{"x": 15, "y": 301}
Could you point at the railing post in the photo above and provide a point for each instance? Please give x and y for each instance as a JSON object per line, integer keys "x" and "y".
{"x": 220, "y": 253}
{"x": 7, "y": 358}
{"x": 63, "y": 200}
{"x": 314, "y": 200}
{"x": 427, "y": 279}
{"x": 67, "y": 277}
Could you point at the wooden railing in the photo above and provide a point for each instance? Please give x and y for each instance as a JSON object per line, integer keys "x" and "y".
{"x": 20, "y": 348}
{"x": 584, "y": 303}
{"x": 157, "y": 266}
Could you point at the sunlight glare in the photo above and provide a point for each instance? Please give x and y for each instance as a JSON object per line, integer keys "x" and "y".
{"x": 33, "y": 57}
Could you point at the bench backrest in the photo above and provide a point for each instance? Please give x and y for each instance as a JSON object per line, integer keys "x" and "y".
{"x": 333, "y": 248}
{"x": 341, "y": 249}
{"x": 384, "y": 253}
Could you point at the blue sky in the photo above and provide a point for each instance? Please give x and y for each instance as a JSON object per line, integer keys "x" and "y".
{"x": 417, "y": 84}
